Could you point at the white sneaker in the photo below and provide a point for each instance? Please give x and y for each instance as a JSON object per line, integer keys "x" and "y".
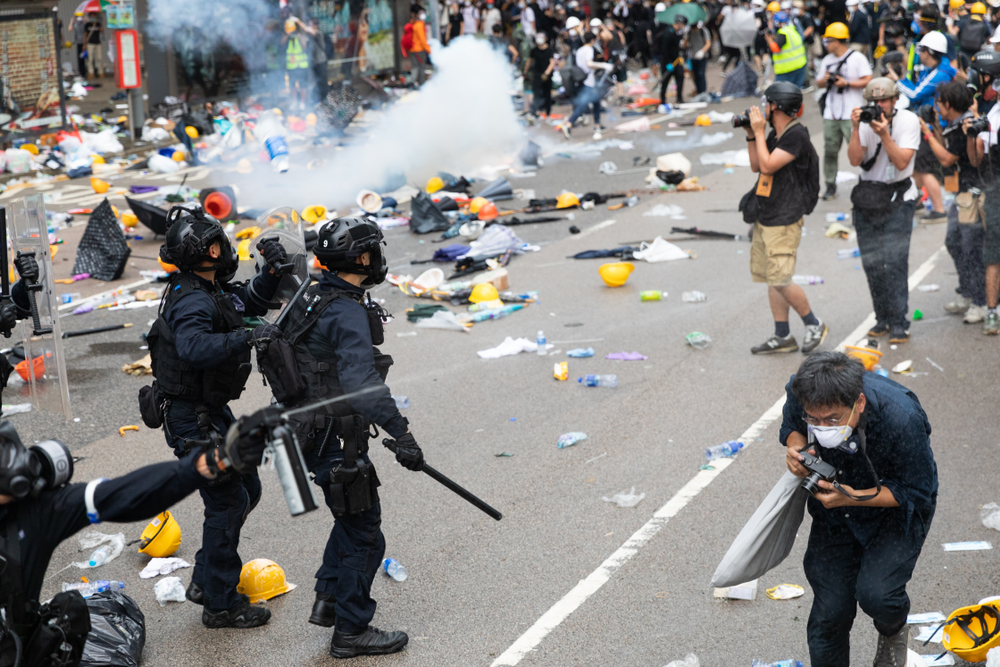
{"x": 597, "y": 135}
{"x": 958, "y": 306}
{"x": 974, "y": 314}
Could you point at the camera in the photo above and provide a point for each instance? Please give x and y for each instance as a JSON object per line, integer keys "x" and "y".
{"x": 819, "y": 470}
{"x": 871, "y": 112}
{"x": 927, "y": 113}
{"x": 742, "y": 120}
{"x": 976, "y": 126}
{"x": 892, "y": 60}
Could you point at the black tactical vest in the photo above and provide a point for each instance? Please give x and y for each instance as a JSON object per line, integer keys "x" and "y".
{"x": 178, "y": 379}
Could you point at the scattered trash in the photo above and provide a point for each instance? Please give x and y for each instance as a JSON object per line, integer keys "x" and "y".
{"x": 504, "y": 455}
{"x": 929, "y": 288}
{"x": 946, "y": 659}
{"x": 807, "y": 280}
{"x": 659, "y": 251}
{"x": 609, "y": 381}
{"x": 930, "y": 633}
{"x": 738, "y": 158}
{"x": 560, "y": 371}
{"x": 848, "y": 253}
{"x": 992, "y": 658}
{"x": 570, "y": 439}
{"x": 161, "y": 566}
{"x": 15, "y": 409}
{"x": 616, "y": 273}
{"x": 693, "y": 297}
{"x": 903, "y": 367}
{"x": 625, "y": 498}
{"x": 608, "y": 168}
{"x": 394, "y": 569}
{"x": 626, "y": 356}
{"x": 508, "y": 347}
{"x": 838, "y": 230}
{"x": 926, "y": 617}
{"x": 932, "y": 363}
{"x": 837, "y": 217}
{"x": 698, "y": 340}
{"x": 442, "y": 319}
{"x": 745, "y": 591}
{"x": 169, "y": 589}
{"x": 599, "y": 456}
{"x": 402, "y": 402}
{"x": 981, "y": 545}
{"x": 86, "y": 589}
{"x": 117, "y": 631}
{"x": 725, "y": 449}
{"x": 106, "y": 548}
{"x": 121, "y": 431}
{"x": 580, "y": 353}
{"x": 674, "y": 162}
{"x": 690, "y": 660}
{"x": 785, "y": 592}
{"x": 540, "y": 346}
{"x": 918, "y": 314}
{"x": 652, "y": 295}
{"x": 673, "y": 211}
{"x": 990, "y": 516}
{"x": 781, "y": 663}
{"x": 846, "y": 177}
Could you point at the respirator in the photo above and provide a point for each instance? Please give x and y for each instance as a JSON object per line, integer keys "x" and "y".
{"x": 23, "y": 471}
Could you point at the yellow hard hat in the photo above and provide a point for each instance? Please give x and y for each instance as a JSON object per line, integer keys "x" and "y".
{"x": 702, "y": 120}
{"x": 837, "y": 31}
{"x": 178, "y": 156}
{"x": 100, "y": 187}
{"x": 290, "y": 26}
{"x": 978, "y": 8}
{"x": 955, "y": 4}
{"x": 616, "y": 273}
{"x": 476, "y": 204}
{"x": 774, "y": 6}
{"x": 262, "y": 579}
{"x": 31, "y": 148}
{"x": 483, "y": 292}
{"x": 130, "y": 220}
{"x": 162, "y": 536}
{"x": 434, "y": 184}
{"x": 970, "y": 632}
{"x": 191, "y": 131}
{"x": 313, "y": 214}
{"x": 567, "y": 200}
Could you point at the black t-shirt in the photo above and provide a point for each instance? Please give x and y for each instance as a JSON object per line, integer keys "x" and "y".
{"x": 807, "y": 22}
{"x": 540, "y": 61}
{"x": 787, "y": 201}
{"x": 93, "y": 31}
{"x": 834, "y": 11}
{"x": 670, "y": 46}
{"x": 956, "y": 143}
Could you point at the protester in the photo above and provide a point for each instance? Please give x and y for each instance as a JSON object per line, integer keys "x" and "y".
{"x": 885, "y": 148}
{"x": 786, "y": 191}
{"x": 699, "y": 50}
{"x": 808, "y": 25}
{"x": 454, "y": 22}
{"x": 297, "y": 62}
{"x": 589, "y": 95}
{"x": 842, "y": 73}
{"x": 79, "y": 29}
{"x": 416, "y": 48}
{"x": 319, "y": 53}
{"x": 868, "y": 529}
{"x": 788, "y": 51}
{"x": 974, "y": 31}
{"x": 95, "y": 32}
{"x": 492, "y": 17}
{"x": 670, "y": 48}
{"x": 501, "y": 44}
{"x": 860, "y": 27}
{"x": 541, "y": 64}
{"x": 470, "y": 18}
{"x": 988, "y": 80}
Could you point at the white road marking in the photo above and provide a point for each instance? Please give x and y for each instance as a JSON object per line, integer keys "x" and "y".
{"x": 587, "y": 587}
{"x": 596, "y": 228}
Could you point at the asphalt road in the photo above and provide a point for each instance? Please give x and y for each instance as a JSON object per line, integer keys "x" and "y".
{"x": 476, "y": 586}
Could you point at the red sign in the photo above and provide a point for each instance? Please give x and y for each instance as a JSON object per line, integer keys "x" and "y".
{"x": 128, "y": 73}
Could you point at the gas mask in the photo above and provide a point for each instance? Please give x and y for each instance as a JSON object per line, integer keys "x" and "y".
{"x": 831, "y": 437}
{"x": 29, "y": 471}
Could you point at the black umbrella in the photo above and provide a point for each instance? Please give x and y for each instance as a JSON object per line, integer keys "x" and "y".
{"x": 625, "y": 252}
{"x": 706, "y": 233}
{"x": 153, "y": 217}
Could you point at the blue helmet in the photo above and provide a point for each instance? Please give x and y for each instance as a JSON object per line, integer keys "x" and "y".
{"x": 782, "y": 17}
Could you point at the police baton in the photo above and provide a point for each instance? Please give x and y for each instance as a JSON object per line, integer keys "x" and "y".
{"x": 438, "y": 477}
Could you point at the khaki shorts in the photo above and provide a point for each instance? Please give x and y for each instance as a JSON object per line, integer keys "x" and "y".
{"x": 772, "y": 253}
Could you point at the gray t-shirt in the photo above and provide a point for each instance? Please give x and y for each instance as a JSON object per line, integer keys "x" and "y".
{"x": 697, "y": 39}
{"x": 79, "y": 31}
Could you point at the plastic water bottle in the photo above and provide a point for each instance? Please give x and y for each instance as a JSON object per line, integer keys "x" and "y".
{"x": 402, "y": 402}
{"x": 847, "y": 253}
{"x": 807, "y": 280}
{"x": 698, "y": 340}
{"x": 394, "y": 569}
{"x": 270, "y": 131}
{"x": 100, "y": 555}
{"x": 652, "y": 295}
{"x": 693, "y": 297}
{"x": 599, "y": 380}
{"x": 836, "y": 217}
{"x": 87, "y": 589}
{"x": 540, "y": 342}
{"x": 725, "y": 449}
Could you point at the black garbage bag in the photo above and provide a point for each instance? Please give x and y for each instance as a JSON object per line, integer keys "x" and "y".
{"x": 670, "y": 177}
{"x": 118, "y": 631}
{"x": 103, "y": 250}
{"x": 425, "y": 217}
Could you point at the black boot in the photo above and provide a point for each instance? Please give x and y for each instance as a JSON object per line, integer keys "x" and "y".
{"x": 323, "y": 613}
{"x": 831, "y": 192}
{"x": 370, "y": 642}
{"x": 195, "y": 593}
{"x": 243, "y": 615}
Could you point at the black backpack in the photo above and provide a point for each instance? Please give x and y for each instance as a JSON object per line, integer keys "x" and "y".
{"x": 973, "y": 35}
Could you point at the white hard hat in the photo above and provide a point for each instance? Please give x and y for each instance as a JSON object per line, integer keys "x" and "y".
{"x": 660, "y": 7}
{"x": 787, "y": 4}
{"x": 852, "y": 3}
{"x": 933, "y": 40}
{"x": 596, "y": 23}
{"x": 993, "y": 3}
{"x": 572, "y": 22}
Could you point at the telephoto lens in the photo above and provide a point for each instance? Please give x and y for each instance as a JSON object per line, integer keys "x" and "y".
{"x": 742, "y": 119}
{"x": 977, "y": 126}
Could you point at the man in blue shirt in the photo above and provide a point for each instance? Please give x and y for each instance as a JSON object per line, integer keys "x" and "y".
{"x": 871, "y": 519}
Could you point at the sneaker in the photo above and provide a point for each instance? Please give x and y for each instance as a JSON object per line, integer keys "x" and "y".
{"x": 370, "y": 642}
{"x": 831, "y": 192}
{"x": 880, "y": 329}
{"x": 815, "y": 335}
{"x": 195, "y": 593}
{"x": 565, "y": 129}
{"x": 899, "y": 335}
{"x": 891, "y": 651}
{"x": 774, "y": 345}
{"x": 975, "y": 314}
{"x": 958, "y": 306}
{"x": 243, "y": 615}
{"x": 991, "y": 325}
{"x": 935, "y": 216}
{"x": 597, "y": 135}
{"x": 323, "y": 613}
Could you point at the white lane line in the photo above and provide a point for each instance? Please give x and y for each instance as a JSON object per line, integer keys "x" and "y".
{"x": 587, "y": 587}
{"x": 596, "y": 228}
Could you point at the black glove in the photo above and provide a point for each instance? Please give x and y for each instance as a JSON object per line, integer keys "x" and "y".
{"x": 408, "y": 453}
{"x": 273, "y": 253}
{"x": 247, "y": 439}
{"x": 8, "y": 318}
{"x": 26, "y": 266}
{"x": 263, "y": 333}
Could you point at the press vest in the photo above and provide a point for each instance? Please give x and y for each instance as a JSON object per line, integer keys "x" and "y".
{"x": 295, "y": 57}
{"x": 178, "y": 379}
{"x": 792, "y": 55}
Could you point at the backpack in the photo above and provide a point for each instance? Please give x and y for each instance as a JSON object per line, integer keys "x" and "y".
{"x": 810, "y": 183}
{"x": 972, "y": 35}
{"x": 406, "y": 41}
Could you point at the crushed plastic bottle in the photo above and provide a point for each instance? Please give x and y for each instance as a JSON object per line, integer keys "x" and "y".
{"x": 837, "y": 217}
{"x": 599, "y": 380}
{"x": 807, "y": 280}
{"x": 693, "y": 297}
{"x": 540, "y": 344}
{"x": 723, "y": 450}
{"x": 848, "y": 253}
{"x": 570, "y": 439}
{"x": 393, "y": 568}
{"x": 100, "y": 555}
{"x": 698, "y": 340}
{"x": 86, "y": 589}
{"x": 990, "y": 515}
{"x": 15, "y": 409}
{"x": 402, "y": 402}
{"x": 581, "y": 353}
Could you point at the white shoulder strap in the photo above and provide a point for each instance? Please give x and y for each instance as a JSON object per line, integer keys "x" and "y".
{"x": 88, "y": 498}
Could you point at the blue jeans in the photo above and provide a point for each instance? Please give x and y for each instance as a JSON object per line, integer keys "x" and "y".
{"x": 698, "y": 72}
{"x": 354, "y": 550}
{"x": 885, "y": 251}
{"x": 965, "y": 245}
{"x": 798, "y": 76}
{"x": 217, "y": 564}
{"x": 587, "y": 97}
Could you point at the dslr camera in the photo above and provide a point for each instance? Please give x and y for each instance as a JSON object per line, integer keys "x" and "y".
{"x": 871, "y": 112}
{"x": 927, "y": 113}
{"x": 978, "y": 125}
{"x": 893, "y": 60}
{"x": 742, "y": 119}
{"x": 818, "y": 470}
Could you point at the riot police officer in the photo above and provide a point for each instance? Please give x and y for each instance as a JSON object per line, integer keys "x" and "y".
{"x": 332, "y": 332}
{"x": 17, "y": 308}
{"x": 201, "y": 361}
{"x": 39, "y": 509}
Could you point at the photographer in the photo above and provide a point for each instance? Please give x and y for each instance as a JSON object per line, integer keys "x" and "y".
{"x": 38, "y": 510}
{"x": 869, "y": 522}
{"x": 843, "y": 73}
{"x": 884, "y": 145}
{"x": 964, "y": 238}
{"x": 786, "y": 191}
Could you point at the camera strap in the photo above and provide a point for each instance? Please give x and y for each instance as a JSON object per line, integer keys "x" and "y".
{"x": 863, "y": 448}
{"x": 868, "y": 164}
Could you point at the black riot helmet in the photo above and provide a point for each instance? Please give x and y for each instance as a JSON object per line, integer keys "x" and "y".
{"x": 786, "y": 96}
{"x": 342, "y": 240}
{"x": 984, "y": 68}
{"x": 48, "y": 464}
{"x": 190, "y": 233}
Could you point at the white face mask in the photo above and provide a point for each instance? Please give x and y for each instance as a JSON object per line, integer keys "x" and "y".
{"x": 422, "y": 16}
{"x": 831, "y": 437}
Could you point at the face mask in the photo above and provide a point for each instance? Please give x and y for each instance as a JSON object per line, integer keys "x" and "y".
{"x": 422, "y": 16}
{"x": 831, "y": 437}
{"x": 540, "y": 40}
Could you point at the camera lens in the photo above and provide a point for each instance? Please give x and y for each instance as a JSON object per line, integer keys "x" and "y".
{"x": 811, "y": 483}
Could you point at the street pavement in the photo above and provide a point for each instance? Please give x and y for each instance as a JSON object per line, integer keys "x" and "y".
{"x": 477, "y": 587}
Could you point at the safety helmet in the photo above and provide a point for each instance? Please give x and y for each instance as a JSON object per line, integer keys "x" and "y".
{"x": 313, "y": 214}
{"x": 572, "y": 22}
{"x": 290, "y": 26}
{"x": 596, "y": 23}
{"x": 837, "y": 31}
{"x": 786, "y": 96}
{"x": 190, "y": 233}
{"x": 342, "y": 240}
{"x": 434, "y": 184}
{"x": 567, "y": 200}
{"x": 987, "y": 62}
{"x": 774, "y": 6}
{"x": 978, "y": 8}
{"x": 48, "y": 464}
{"x": 970, "y": 632}
{"x": 935, "y": 41}
{"x": 483, "y": 292}
{"x": 955, "y": 4}
{"x": 616, "y": 273}
{"x": 660, "y": 7}
{"x": 162, "y": 537}
{"x": 262, "y": 579}
{"x": 488, "y": 211}
{"x": 880, "y": 88}
{"x": 477, "y": 203}
{"x": 782, "y": 17}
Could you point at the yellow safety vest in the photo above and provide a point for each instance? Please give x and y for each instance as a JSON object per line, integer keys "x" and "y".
{"x": 294, "y": 56}
{"x": 911, "y": 61}
{"x": 792, "y": 55}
